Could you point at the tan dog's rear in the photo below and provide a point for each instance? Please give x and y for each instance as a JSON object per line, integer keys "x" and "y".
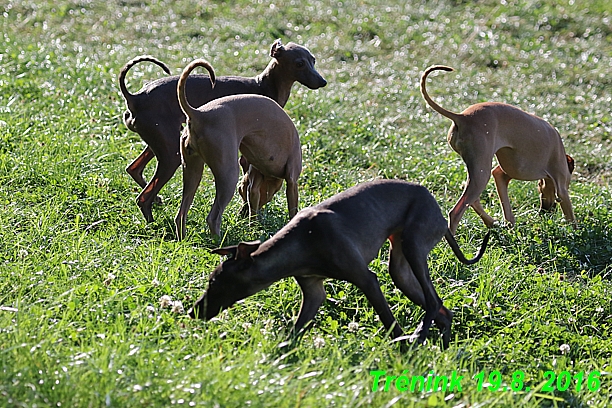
{"x": 257, "y": 126}
{"x": 526, "y": 146}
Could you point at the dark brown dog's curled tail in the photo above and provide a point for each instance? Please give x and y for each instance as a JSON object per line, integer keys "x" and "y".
{"x": 185, "y": 106}
{"x": 452, "y": 242}
{"x": 143, "y": 58}
{"x": 451, "y": 115}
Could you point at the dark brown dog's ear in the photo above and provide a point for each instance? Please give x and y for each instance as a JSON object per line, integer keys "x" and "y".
{"x": 277, "y": 49}
{"x": 245, "y": 249}
{"x": 570, "y": 163}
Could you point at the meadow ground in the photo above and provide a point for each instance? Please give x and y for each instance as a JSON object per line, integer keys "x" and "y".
{"x": 82, "y": 274}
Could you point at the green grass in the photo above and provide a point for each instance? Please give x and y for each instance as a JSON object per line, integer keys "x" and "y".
{"x": 82, "y": 274}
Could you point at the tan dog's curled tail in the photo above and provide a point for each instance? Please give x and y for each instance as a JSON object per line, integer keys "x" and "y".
{"x": 185, "y": 106}
{"x": 122, "y": 74}
{"x": 451, "y": 115}
{"x": 452, "y": 242}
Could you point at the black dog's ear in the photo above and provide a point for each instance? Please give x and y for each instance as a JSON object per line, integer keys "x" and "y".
{"x": 277, "y": 49}
{"x": 241, "y": 251}
{"x": 229, "y": 251}
{"x": 245, "y": 249}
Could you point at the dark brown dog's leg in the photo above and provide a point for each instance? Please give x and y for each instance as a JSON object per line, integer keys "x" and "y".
{"x": 136, "y": 168}
{"x": 168, "y": 156}
{"x": 166, "y": 167}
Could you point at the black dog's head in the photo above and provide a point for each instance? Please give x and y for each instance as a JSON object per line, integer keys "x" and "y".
{"x": 230, "y": 281}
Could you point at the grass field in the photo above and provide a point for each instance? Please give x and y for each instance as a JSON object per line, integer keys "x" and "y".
{"x": 82, "y": 274}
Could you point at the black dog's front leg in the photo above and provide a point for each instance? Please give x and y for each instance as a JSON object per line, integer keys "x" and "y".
{"x": 313, "y": 296}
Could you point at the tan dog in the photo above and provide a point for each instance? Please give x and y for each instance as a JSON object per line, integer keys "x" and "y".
{"x": 254, "y": 124}
{"x": 526, "y": 146}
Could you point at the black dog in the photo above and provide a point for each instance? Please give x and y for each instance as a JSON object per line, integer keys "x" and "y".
{"x": 338, "y": 239}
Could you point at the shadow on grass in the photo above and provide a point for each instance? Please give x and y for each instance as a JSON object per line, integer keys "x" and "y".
{"x": 555, "y": 244}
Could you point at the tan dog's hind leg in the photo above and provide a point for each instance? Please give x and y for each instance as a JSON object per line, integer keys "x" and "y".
{"x": 501, "y": 183}
{"x": 226, "y": 178}
{"x": 488, "y": 220}
{"x": 478, "y": 176}
{"x": 192, "y": 175}
{"x": 292, "y": 196}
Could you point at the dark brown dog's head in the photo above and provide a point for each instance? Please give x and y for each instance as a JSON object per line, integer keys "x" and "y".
{"x": 298, "y": 63}
{"x": 229, "y": 282}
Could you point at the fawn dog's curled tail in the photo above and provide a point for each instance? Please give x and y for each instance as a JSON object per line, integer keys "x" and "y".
{"x": 185, "y": 106}
{"x": 451, "y": 115}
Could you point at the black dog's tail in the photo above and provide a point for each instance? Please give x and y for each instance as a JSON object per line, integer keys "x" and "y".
{"x": 452, "y": 242}
{"x": 126, "y": 94}
{"x": 185, "y": 106}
